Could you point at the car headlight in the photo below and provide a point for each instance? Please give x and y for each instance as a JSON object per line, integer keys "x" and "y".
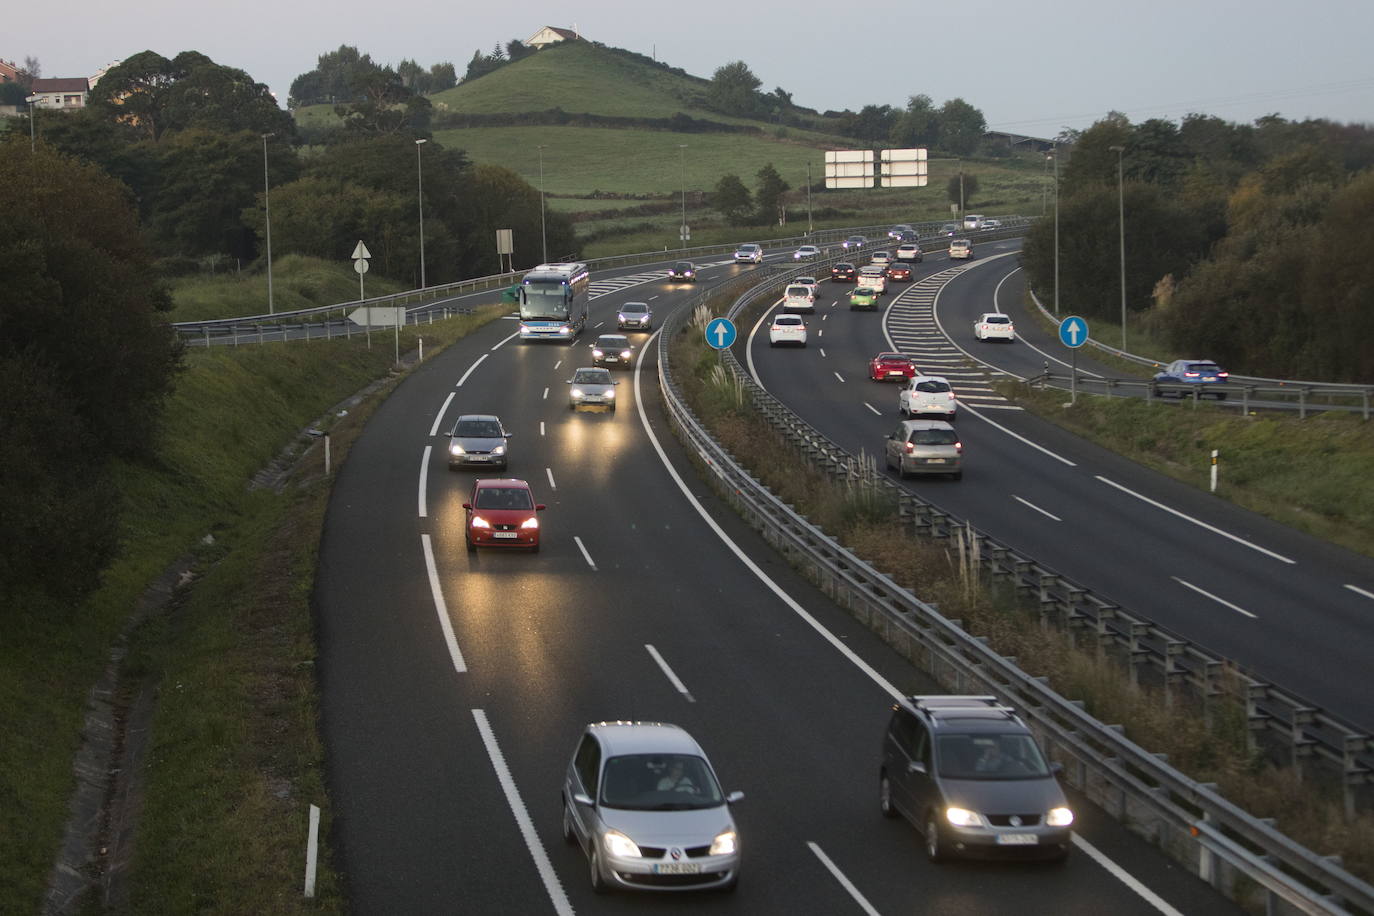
{"x": 456, "y": 449}
{"x": 962, "y": 817}
{"x": 610, "y": 392}
{"x": 1059, "y": 817}
{"x": 576, "y": 392}
{"x": 499, "y": 450}
{"x": 624, "y": 354}
{"x": 725, "y": 844}
{"x": 530, "y": 523}
{"x": 619, "y": 845}
{"x": 479, "y": 522}
{"x": 598, "y": 354}
{"x": 565, "y": 330}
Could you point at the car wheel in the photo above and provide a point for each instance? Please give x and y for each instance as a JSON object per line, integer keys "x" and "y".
{"x": 730, "y": 886}
{"x": 569, "y": 833}
{"x": 885, "y": 797}
{"x": 599, "y": 885}
{"x": 1059, "y": 858}
{"x": 957, "y": 475}
{"x": 612, "y": 408}
{"x": 903, "y": 411}
{"x": 472, "y": 548}
{"x": 534, "y": 548}
{"x": 935, "y": 847}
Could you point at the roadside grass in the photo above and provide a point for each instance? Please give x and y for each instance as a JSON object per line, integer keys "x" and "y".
{"x": 218, "y": 833}
{"x": 1210, "y": 748}
{"x": 1310, "y": 474}
{"x": 298, "y": 282}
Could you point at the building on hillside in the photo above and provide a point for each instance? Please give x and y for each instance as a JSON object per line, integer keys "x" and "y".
{"x": 550, "y": 35}
{"x": 63, "y": 93}
{"x": 9, "y": 71}
{"x": 96, "y": 77}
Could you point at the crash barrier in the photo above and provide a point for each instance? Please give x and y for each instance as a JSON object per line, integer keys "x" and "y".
{"x": 1242, "y": 391}
{"x": 1218, "y": 841}
{"x": 424, "y": 305}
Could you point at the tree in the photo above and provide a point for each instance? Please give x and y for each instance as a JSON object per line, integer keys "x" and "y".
{"x": 731, "y": 199}
{"x": 517, "y": 50}
{"x": 734, "y": 90}
{"x": 385, "y": 105}
{"x": 961, "y": 189}
{"x": 918, "y": 125}
{"x": 31, "y": 71}
{"x": 961, "y": 127}
{"x": 769, "y": 195}
{"x": 13, "y": 93}
{"x": 873, "y": 124}
{"x": 333, "y": 80}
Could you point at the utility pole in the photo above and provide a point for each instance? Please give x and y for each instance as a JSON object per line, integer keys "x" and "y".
{"x": 809, "y": 227}
{"x": 267, "y": 206}
{"x": 420, "y": 197}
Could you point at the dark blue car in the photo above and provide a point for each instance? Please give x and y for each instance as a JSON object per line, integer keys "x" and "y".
{"x": 1203, "y": 373}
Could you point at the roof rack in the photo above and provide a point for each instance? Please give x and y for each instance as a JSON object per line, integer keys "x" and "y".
{"x": 954, "y": 702}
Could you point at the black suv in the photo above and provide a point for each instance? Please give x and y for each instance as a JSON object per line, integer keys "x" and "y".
{"x": 683, "y": 272}
{"x": 968, "y": 773}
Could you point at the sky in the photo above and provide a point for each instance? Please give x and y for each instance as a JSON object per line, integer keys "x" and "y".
{"x": 1031, "y": 68}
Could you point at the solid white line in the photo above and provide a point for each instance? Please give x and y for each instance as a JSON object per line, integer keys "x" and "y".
{"x": 840, "y": 377}
{"x": 1198, "y": 522}
{"x": 561, "y": 905}
{"x": 1019, "y": 437}
{"x": 312, "y": 851}
{"x": 441, "y": 608}
{"x": 439, "y": 417}
{"x": 734, "y": 548}
{"x": 1125, "y": 877}
{"x": 424, "y": 479}
{"x": 668, "y": 672}
{"x": 541, "y": 427}
{"x": 470, "y": 368}
{"x": 844, "y": 881}
{"x": 1359, "y": 591}
{"x": 585, "y": 555}
{"x": 552, "y": 485}
{"x": 505, "y": 341}
{"x": 872, "y": 408}
{"x": 1208, "y": 594}
{"x": 1035, "y": 507}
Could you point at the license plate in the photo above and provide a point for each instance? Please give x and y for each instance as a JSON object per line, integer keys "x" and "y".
{"x": 1017, "y": 839}
{"x": 677, "y": 868}
{"x": 935, "y": 461}
{"x": 504, "y": 534}
{"x": 896, "y": 372}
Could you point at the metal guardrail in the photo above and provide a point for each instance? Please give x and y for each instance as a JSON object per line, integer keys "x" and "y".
{"x": 1216, "y": 839}
{"x": 1281, "y": 396}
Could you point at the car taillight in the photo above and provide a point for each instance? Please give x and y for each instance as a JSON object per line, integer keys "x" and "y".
{"x": 1190, "y": 375}
{"x": 1223, "y": 375}
{"x": 959, "y": 447}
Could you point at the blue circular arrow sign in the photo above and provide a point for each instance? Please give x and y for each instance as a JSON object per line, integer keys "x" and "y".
{"x": 1073, "y": 332}
{"x": 720, "y": 333}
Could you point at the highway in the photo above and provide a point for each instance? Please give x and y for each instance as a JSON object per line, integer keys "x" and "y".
{"x": 455, "y": 685}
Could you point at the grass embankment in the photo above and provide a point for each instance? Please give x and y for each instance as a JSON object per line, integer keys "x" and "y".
{"x": 298, "y": 282}
{"x": 234, "y": 758}
{"x": 1311, "y": 814}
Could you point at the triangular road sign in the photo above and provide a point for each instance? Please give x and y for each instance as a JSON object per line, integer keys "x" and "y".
{"x": 361, "y": 251}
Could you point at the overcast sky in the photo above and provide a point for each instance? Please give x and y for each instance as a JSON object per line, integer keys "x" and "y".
{"x": 1031, "y": 68}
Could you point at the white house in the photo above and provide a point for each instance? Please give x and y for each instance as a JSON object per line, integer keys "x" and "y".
{"x": 549, "y": 35}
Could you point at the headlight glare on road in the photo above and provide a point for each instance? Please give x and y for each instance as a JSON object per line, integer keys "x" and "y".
{"x": 621, "y": 846}
{"x": 1059, "y": 817}
{"x": 724, "y": 844}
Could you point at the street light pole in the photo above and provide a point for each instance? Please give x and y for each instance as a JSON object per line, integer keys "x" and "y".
{"x": 420, "y": 195}
{"x": 1055, "y": 154}
{"x": 543, "y": 234}
{"x": 31, "y": 100}
{"x": 809, "y": 227}
{"x": 682, "y": 164}
{"x": 1121, "y": 219}
{"x": 267, "y": 206}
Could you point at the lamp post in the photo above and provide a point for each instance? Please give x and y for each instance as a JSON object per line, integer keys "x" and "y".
{"x": 31, "y": 100}
{"x": 1054, "y": 154}
{"x": 267, "y": 206}
{"x": 1121, "y": 220}
{"x": 420, "y": 195}
{"x": 543, "y": 235}
{"x": 810, "y": 228}
{"x": 682, "y": 165}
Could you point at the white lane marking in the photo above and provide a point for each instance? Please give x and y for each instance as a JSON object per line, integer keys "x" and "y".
{"x": 441, "y": 608}
{"x": 844, "y": 881}
{"x": 822, "y": 352}
{"x": 505, "y": 341}
{"x": 1035, "y": 507}
{"x": 823, "y": 317}
{"x": 470, "y": 368}
{"x": 734, "y": 548}
{"x": 561, "y": 905}
{"x": 597, "y": 325}
{"x": 439, "y": 417}
{"x": 541, "y": 427}
{"x": 1359, "y": 591}
{"x": 1017, "y": 436}
{"x": 424, "y": 479}
{"x": 1124, "y": 876}
{"x": 312, "y": 850}
{"x": 1199, "y": 522}
{"x": 1221, "y": 601}
{"x": 821, "y": 332}
{"x": 840, "y": 377}
{"x": 557, "y": 364}
{"x": 872, "y": 408}
{"x": 668, "y": 672}
{"x": 546, "y": 394}
{"x": 552, "y": 485}
{"x": 652, "y": 298}
{"x": 585, "y": 555}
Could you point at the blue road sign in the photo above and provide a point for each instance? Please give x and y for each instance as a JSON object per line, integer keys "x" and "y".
{"x": 1073, "y": 332}
{"x": 720, "y": 333}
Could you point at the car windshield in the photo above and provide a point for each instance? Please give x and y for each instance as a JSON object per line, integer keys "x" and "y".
{"x": 592, "y": 377}
{"x": 749, "y": 248}
{"x": 844, "y": 266}
{"x": 682, "y": 266}
{"x": 990, "y": 757}
{"x": 503, "y": 498}
{"x": 659, "y": 782}
{"x": 933, "y": 437}
{"x": 612, "y": 343}
{"x": 932, "y": 387}
{"x": 633, "y": 307}
{"x": 478, "y": 429}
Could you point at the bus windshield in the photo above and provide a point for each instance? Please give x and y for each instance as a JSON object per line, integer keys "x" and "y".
{"x": 544, "y": 300}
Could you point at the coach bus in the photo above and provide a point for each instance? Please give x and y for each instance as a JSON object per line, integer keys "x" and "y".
{"x": 553, "y": 302}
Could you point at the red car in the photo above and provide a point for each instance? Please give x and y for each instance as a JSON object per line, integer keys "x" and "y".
{"x": 896, "y": 271}
{"x": 502, "y": 513}
{"x": 887, "y": 366}
{"x": 843, "y": 271}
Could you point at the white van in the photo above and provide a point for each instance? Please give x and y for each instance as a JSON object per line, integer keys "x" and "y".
{"x": 973, "y": 221}
{"x": 798, "y": 298}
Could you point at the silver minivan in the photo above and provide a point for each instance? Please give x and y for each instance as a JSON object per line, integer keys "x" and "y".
{"x": 925, "y": 447}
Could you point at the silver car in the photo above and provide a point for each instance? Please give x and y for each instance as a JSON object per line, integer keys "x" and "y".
{"x": 477, "y": 439}
{"x": 636, "y": 315}
{"x": 592, "y": 387}
{"x": 925, "y": 447}
{"x": 642, "y": 801}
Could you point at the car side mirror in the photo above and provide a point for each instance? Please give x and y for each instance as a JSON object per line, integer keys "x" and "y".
{"x": 734, "y": 798}
{"x": 449, "y": 434}
{"x": 508, "y": 435}
{"x": 539, "y": 507}
{"x": 1056, "y": 767}
{"x": 568, "y": 382}
{"x": 467, "y": 505}
{"x": 615, "y": 383}
{"x": 916, "y": 766}
{"x": 582, "y": 798}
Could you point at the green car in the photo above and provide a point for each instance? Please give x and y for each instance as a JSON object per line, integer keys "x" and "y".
{"x": 863, "y": 298}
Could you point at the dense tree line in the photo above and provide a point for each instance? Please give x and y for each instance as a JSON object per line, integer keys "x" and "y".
{"x": 1249, "y": 244}
{"x": 740, "y": 207}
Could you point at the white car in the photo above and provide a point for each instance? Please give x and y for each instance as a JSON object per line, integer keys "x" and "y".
{"x": 798, "y": 298}
{"x": 806, "y": 253}
{"x": 989, "y": 224}
{"x": 994, "y": 326}
{"x": 881, "y": 258}
{"x": 787, "y": 329}
{"x": 960, "y": 249}
{"x": 749, "y": 254}
{"x": 910, "y": 251}
{"x": 873, "y": 277}
{"x": 928, "y": 395}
